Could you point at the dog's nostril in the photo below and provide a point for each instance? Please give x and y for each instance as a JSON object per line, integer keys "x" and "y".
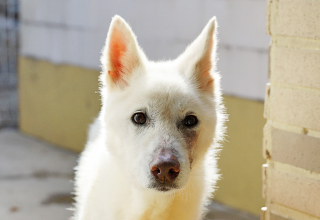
{"x": 175, "y": 169}
{"x": 173, "y": 173}
{"x": 155, "y": 171}
{"x": 154, "y": 168}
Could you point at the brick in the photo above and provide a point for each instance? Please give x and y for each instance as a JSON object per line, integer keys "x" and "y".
{"x": 298, "y": 18}
{"x": 56, "y": 12}
{"x": 34, "y": 10}
{"x": 296, "y": 67}
{"x": 271, "y": 15}
{"x": 34, "y": 41}
{"x": 84, "y": 14}
{"x": 268, "y": 16}
{"x": 294, "y": 191}
{"x": 266, "y": 101}
{"x": 27, "y": 8}
{"x": 296, "y": 149}
{"x": 56, "y": 51}
{"x": 277, "y": 217}
{"x": 299, "y": 107}
{"x": 279, "y": 210}
{"x": 264, "y": 180}
{"x": 237, "y": 25}
{"x": 263, "y": 213}
{"x": 295, "y": 43}
{"x": 72, "y": 49}
{"x": 90, "y": 53}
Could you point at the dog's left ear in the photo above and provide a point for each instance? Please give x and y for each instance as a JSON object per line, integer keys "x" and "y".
{"x": 121, "y": 55}
{"x": 198, "y": 61}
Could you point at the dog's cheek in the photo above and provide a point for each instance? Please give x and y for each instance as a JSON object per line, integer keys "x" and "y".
{"x": 140, "y": 156}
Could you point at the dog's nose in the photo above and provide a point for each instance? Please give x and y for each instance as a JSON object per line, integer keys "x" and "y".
{"x": 165, "y": 168}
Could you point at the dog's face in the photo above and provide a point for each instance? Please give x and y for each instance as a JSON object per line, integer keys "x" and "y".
{"x": 160, "y": 117}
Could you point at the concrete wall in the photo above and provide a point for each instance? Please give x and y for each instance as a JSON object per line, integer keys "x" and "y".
{"x": 240, "y": 160}
{"x": 74, "y": 31}
{"x": 59, "y": 64}
{"x": 57, "y": 102}
{"x": 292, "y": 108}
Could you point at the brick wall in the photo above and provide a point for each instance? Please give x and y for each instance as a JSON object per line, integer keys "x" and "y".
{"x": 291, "y": 176}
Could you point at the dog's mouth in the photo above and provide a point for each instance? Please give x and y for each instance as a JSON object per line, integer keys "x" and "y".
{"x": 163, "y": 187}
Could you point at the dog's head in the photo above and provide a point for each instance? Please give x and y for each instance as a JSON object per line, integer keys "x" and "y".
{"x": 160, "y": 116}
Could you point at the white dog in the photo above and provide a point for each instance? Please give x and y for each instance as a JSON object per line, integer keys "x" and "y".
{"x": 151, "y": 153}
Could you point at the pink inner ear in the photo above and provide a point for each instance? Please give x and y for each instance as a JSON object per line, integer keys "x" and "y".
{"x": 204, "y": 67}
{"x": 116, "y": 52}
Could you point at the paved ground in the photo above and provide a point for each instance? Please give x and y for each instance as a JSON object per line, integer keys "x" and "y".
{"x": 36, "y": 181}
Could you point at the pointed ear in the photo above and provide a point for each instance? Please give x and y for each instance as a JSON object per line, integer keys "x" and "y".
{"x": 121, "y": 54}
{"x": 198, "y": 62}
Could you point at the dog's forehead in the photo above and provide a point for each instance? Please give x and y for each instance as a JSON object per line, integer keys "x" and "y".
{"x": 167, "y": 92}
{"x": 165, "y": 100}
{"x": 164, "y": 78}
{"x": 163, "y": 89}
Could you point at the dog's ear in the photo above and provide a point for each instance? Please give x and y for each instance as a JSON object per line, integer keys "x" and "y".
{"x": 198, "y": 62}
{"x": 121, "y": 54}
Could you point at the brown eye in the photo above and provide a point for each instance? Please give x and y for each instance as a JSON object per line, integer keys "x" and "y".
{"x": 139, "y": 118}
{"x": 190, "y": 121}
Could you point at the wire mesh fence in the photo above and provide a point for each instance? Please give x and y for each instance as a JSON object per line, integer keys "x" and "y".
{"x": 9, "y": 28}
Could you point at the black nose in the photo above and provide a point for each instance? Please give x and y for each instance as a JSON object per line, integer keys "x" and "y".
{"x": 165, "y": 168}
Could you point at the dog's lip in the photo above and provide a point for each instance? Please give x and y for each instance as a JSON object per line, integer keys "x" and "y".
{"x": 162, "y": 189}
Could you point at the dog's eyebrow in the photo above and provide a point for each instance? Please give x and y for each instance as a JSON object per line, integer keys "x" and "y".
{"x": 143, "y": 110}
{"x": 190, "y": 113}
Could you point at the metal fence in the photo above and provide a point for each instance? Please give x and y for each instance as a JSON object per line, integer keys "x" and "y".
{"x": 9, "y": 43}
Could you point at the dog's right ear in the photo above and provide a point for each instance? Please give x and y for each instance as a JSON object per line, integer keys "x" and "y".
{"x": 121, "y": 55}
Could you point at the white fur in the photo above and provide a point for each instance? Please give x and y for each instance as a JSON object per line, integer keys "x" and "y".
{"x": 113, "y": 174}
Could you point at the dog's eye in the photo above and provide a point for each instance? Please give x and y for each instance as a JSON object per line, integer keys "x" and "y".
{"x": 190, "y": 121}
{"x": 139, "y": 118}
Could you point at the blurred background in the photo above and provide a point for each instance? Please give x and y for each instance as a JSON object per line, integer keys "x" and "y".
{"x": 49, "y": 68}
